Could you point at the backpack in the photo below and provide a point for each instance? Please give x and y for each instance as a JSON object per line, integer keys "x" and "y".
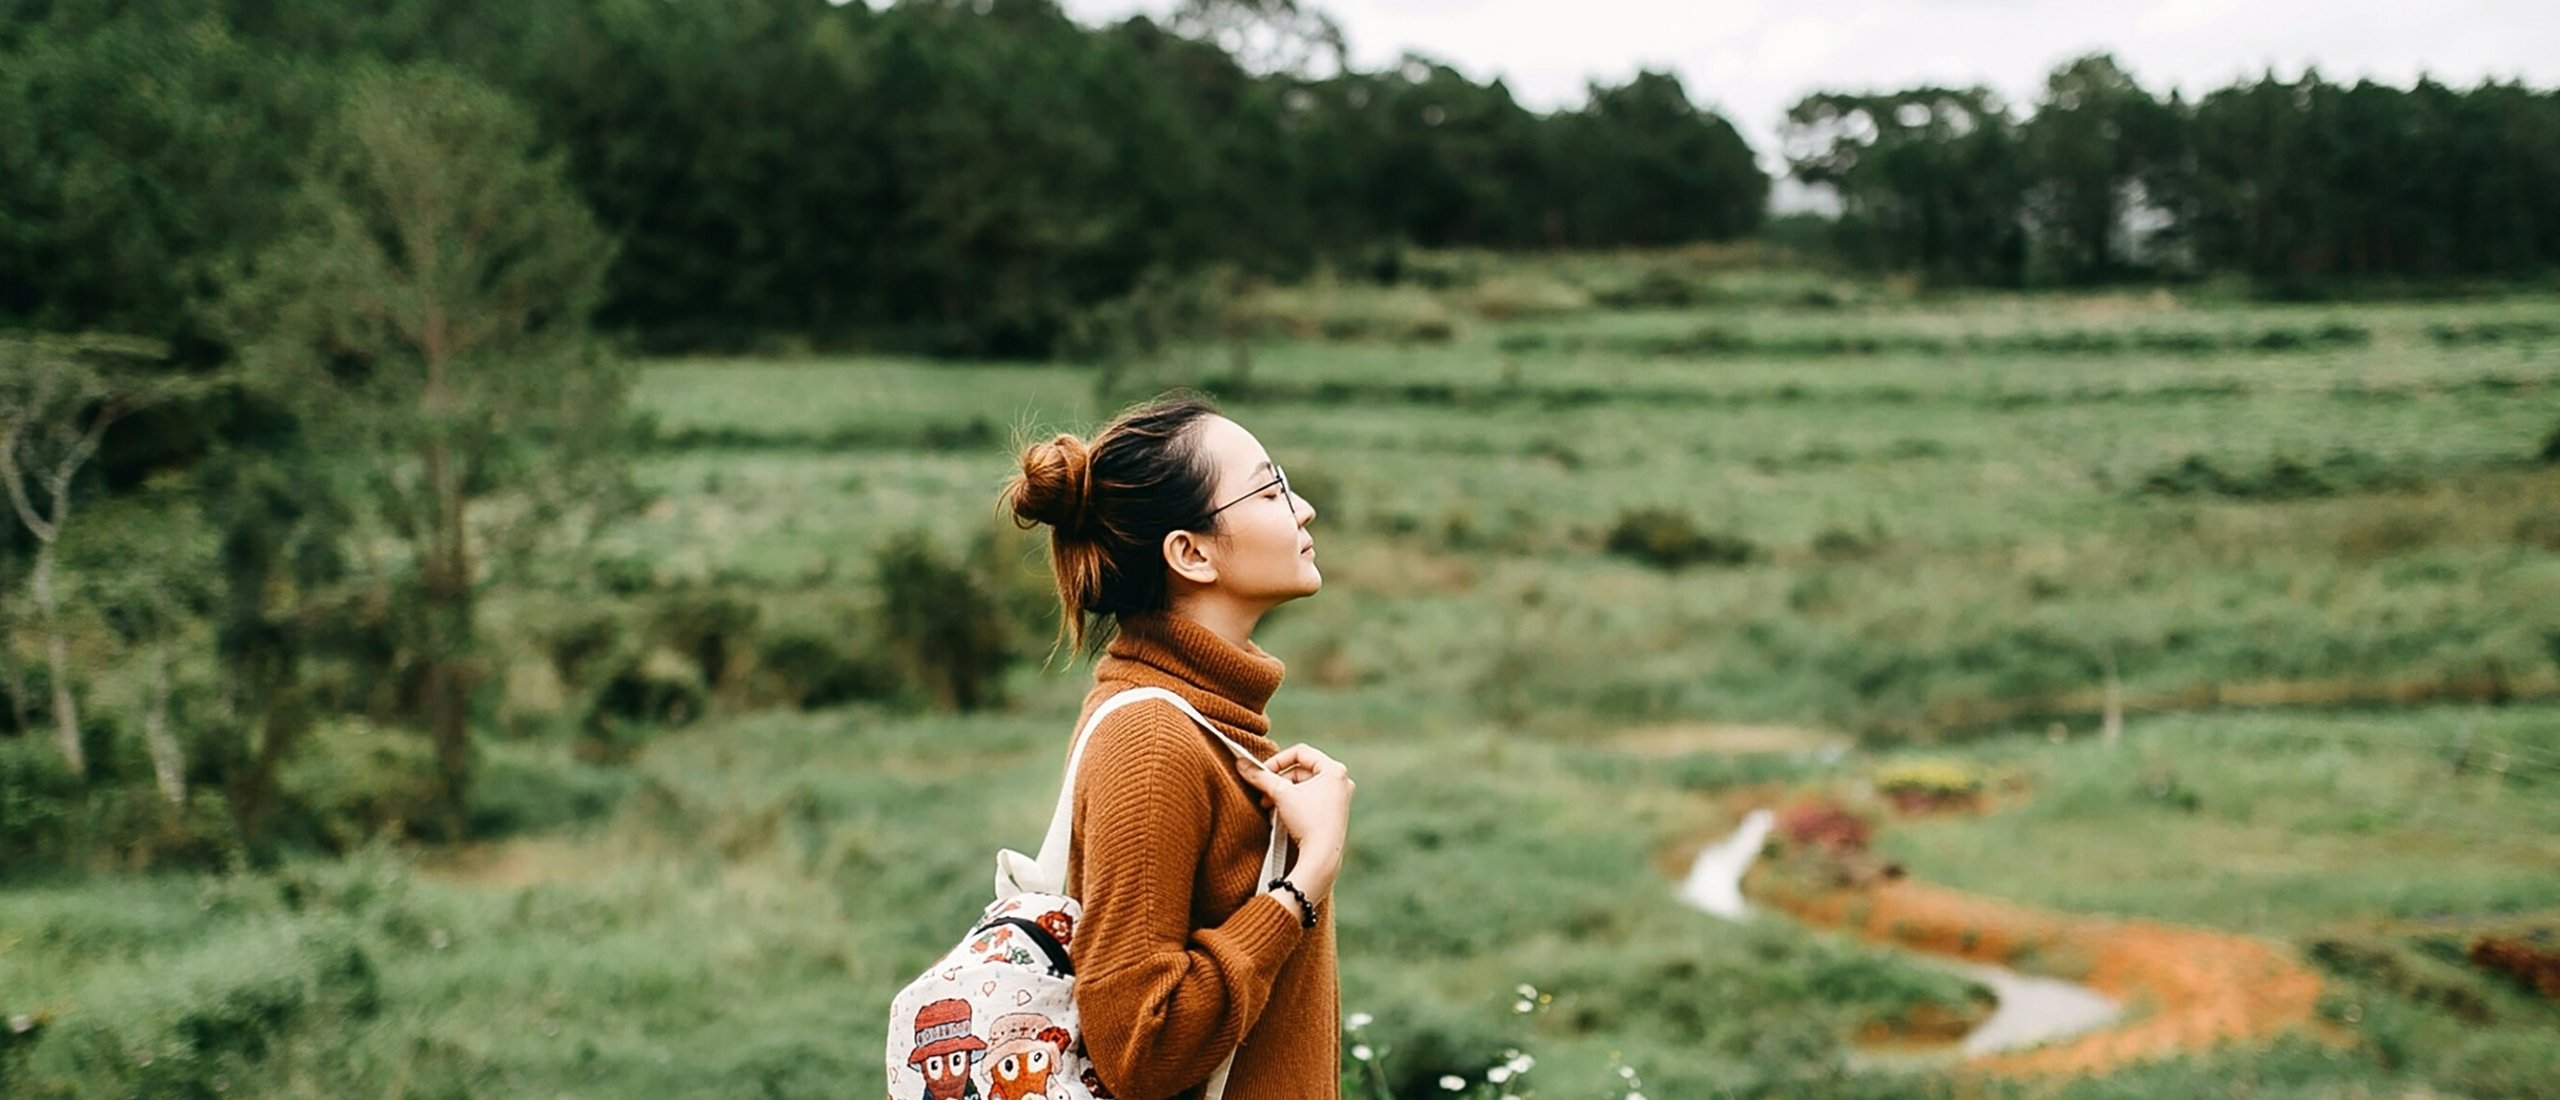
{"x": 995, "y": 1017}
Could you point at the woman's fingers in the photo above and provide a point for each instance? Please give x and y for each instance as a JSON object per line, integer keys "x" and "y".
{"x": 1301, "y": 761}
{"x": 1259, "y": 779}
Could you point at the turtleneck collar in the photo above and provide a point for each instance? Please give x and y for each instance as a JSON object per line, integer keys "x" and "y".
{"x": 1240, "y": 678}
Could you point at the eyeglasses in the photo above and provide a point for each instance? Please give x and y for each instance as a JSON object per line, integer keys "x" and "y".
{"x": 1279, "y": 477}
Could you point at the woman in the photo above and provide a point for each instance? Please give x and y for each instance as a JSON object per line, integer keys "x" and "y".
{"x": 1171, "y": 534}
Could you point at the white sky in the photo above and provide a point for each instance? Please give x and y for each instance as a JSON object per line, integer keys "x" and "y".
{"x": 1751, "y": 59}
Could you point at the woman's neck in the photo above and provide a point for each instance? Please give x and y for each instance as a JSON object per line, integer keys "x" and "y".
{"x": 1225, "y": 618}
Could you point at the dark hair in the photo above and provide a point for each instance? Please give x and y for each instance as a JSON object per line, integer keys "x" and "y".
{"x": 1110, "y": 502}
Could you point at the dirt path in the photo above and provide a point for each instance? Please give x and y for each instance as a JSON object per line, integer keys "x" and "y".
{"x": 2185, "y": 989}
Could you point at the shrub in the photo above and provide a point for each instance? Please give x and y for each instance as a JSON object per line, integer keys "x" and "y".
{"x": 1823, "y": 824}
{"x": 945, "y": 622}
{"x": 712, "y": 629}
{"x": 2283, "y": 477}
{"x": 1928, "y": 784}
{"x": 813, "y": 670}
{"x": 1666, "y": 539}
{"x": 2491, "y": 332}
{"x": 580, "y": 650}
{"x": 134, "y": 826}
{"x": 2535, "y": 966}
{"x": 1515, "y": 296}
{"x": 37, "y": 794}
{"x": 351, "y": 780}
{"x": 1655, "y": 289}
{"x": 1837, "y": 543}
{"x": 655, "y": 689}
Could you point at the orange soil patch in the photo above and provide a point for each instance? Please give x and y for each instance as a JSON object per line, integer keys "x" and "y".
{"x": 2184, "y": 988}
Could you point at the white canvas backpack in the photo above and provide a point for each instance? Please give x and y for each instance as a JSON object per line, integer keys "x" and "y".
{"x": 995, "y": 1018}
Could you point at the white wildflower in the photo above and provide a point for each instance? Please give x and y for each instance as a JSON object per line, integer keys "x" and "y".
{"x": 1358, "y": 1020}
{"x": 1524, "y": 1007}
{"x": 1453, "y": 1082}
{"x": 1628, "y": 1072}
{"x": 1497, "y": 1075}
{"x": 1361, "y": 1052}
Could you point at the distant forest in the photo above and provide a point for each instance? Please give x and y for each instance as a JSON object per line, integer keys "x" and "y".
{"x": 971, "y": 176}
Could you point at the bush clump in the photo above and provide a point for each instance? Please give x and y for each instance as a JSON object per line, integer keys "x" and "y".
{"x": 810, "y": 670}
{"x": 1512, "y": 297}
{"x": 1655, "y": 289}
{"x": 1922, "y": 785}
{"x": 714, "y": 630}
{"x": 353, "y": 780}
{"x": 1666, "y": 539}
{"x": 2459, "y": 334}
{"x": 35, "y": 790}
{"x": 1824, "y": 825}
{"x": 2282, "y": 477}
{"x": 655, "y": 689}
{"x": 945, "y": 622}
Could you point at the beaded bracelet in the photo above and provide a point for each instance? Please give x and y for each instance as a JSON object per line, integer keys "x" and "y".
{"x": 1307, "y": 921}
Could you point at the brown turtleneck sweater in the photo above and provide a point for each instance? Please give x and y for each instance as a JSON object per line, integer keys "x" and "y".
{"x": 1181, "y": 954}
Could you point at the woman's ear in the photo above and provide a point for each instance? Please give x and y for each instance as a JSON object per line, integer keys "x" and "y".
{"x": 1187, "y": 554}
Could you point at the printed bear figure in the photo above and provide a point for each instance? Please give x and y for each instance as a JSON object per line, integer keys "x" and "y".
{"x": 1025, "y": 1055}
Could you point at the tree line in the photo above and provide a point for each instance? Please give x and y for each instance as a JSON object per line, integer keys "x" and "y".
{"x": 2291, "y": 183}
{"x": 946, "y": 175}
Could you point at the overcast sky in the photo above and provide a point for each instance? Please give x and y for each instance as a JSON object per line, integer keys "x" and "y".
{"x": 1750, "y": 59}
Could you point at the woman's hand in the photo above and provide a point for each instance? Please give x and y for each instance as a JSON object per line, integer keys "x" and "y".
{"x": 1310, "y": 793}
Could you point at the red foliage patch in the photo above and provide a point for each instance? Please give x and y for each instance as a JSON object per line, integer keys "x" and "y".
{"x": 1823, "y": 824}
{"x": 2537, "y": 966}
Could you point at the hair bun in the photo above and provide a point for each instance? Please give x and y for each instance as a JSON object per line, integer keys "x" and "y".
{"x": 1056, "y": 484}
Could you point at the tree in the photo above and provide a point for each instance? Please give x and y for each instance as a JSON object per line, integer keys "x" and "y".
{"x": 1651, "y": 168}
{"x": 148, "y": 566}
{"x": 428, "y": 327}
{"x": 2095, "y": 152}
{"x": 1267, "y": 36}
{"x": 58, "y": 397}
{"x": 1929, "y": 178}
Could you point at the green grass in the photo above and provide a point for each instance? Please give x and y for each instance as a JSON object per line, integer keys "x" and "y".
{"x": 2272, "y": 824}
{"x": 1951, "y": 546}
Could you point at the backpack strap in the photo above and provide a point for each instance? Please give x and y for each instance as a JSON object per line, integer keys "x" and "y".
{"x": 1048, "y": 872}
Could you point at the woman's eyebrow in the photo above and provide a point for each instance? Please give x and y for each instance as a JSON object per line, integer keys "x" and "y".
{"x": 1266, "y": 464}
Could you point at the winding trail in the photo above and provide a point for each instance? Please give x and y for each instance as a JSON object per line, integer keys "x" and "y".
{"x": 2186, "y": 989}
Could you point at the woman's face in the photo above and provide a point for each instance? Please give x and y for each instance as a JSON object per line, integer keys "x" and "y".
{"x": 1259, "y": 539}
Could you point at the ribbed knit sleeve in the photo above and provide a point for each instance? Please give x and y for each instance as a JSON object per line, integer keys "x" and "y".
{"x": 1160, "y": 1003}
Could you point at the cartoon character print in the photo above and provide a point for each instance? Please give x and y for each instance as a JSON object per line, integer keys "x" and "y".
{"x": 1027, "y": 1052}
{"x": 996, "y": 945}
{"x": 945, "y": 1051}
{"x": 1059, "y": 925}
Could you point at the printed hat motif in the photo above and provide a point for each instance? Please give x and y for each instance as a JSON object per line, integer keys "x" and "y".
{"x": 943, "y": 1028}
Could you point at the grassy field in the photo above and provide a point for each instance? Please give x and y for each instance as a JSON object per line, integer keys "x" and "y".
{"x": 2319, "y": 546}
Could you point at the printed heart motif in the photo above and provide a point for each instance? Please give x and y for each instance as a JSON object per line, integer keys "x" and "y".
{"x": 989, "y": 989}
{"x": 951, "y": 973}
{"x": 1022, "y": 996}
